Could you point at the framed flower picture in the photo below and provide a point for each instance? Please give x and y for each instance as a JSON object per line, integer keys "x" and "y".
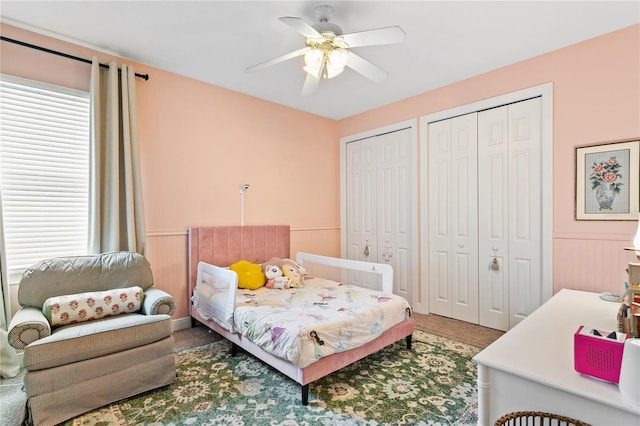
{"x": 607, "y": 181}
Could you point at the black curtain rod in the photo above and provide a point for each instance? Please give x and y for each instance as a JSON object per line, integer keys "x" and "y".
{"x": 145, "y": 77}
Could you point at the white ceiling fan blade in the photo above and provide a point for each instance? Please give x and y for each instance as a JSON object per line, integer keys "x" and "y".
{"x": 277, "y": 60}
{"x": 366, "y": 68}
{"x": 301, "y": 26}
{"x": 310, "y": 85}
{"x": 386, "y": 35}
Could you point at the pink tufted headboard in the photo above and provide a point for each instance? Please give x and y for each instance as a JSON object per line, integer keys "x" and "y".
{"x": 225, "y": 245}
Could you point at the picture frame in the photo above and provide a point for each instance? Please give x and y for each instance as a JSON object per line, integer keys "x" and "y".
{"x": 607, "y": 181}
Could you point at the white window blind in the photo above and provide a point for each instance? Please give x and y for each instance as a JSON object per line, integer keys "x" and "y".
{"x": 44, "y": 171}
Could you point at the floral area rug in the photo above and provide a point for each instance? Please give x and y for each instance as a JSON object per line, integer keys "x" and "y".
{"x": 434, "y": 383}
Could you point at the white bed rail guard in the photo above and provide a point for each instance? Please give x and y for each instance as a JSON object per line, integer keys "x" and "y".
{"x": 383, "y": 269}
{"x": 216, "y": 288}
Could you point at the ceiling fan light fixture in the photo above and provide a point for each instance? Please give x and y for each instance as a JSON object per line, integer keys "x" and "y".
{"x": 338, "y": 58}
{"x": 314, "y": 60}
{"x": 325, "y": 63}
{"x": 331, "y": 72}
{"x": 327, "y": 49}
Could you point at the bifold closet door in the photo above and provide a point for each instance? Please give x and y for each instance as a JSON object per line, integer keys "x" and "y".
{"x": 509, "y": 194}
{"x": 378, "y": 204}
{"x": 362, "y": 216}
{"x": 453, "y": 220}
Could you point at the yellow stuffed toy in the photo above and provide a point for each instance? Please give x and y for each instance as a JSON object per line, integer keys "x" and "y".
{"x": 250, "y": 275}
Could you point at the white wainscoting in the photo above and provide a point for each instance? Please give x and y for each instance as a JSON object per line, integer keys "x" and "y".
{"x": 594, "y": 263}
{"x": 167, "y": 252}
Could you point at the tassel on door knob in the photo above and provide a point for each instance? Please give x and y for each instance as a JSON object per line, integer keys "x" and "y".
{"x": 494, "y": 265}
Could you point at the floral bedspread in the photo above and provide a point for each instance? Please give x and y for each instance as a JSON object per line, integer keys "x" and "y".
{"x": 321, "y": 318}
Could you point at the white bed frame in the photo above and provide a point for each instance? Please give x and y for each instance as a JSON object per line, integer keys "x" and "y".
{"x": 200, "y": 255}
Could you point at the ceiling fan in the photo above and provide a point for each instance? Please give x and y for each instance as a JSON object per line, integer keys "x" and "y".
{"x": 327, "y": 50}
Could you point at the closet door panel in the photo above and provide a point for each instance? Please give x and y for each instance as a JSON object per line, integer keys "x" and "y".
{"x": 394, "y": 207}
{"x": 402, "y": 282}
{"x": 520, "y": 288}
{"x": 440, "y": 292}
{"x": 440, "y": 238}
{"x": 461, "y": 267}
{"x": 464, "y": 216}
{"x": 453, "y": 220}
{"x": 361, "y": 207}
{"x": 525, "y": 217}
{"x": 493, "y": 214}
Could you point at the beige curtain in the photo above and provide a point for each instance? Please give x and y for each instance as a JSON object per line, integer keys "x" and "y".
{"x": 9, "y": 364}
{"x": 116, "y": 220}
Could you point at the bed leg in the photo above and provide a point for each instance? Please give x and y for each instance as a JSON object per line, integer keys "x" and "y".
{"x": 305, "y": 394}
{"x": 234, "y": 349}
{"x": 409, "y": 337}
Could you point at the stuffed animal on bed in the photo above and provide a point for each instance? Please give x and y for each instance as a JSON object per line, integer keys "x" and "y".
{"x": 274, "y": 277}
{"x": 291, "y": 272}
{"x": 279, "y": 262}
{"x": 296, "y": 265}
{"x": 250, "y": 275}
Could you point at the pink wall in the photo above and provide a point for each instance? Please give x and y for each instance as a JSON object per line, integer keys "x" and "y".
{"x": 596, "y": 89}
{"x": 200, "y": 143}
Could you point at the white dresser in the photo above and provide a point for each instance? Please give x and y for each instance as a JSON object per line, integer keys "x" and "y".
{"x": 531, "y": 366}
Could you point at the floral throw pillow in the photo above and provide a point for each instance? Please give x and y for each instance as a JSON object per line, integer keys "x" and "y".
{"x": 74, "y": 308}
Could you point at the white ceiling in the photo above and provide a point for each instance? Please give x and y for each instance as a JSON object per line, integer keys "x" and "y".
{"x": 214, "y": 41}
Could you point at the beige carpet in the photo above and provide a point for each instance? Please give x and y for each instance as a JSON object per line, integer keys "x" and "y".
{"x": 465, "y": 332}
{"x": 192, "y": 337}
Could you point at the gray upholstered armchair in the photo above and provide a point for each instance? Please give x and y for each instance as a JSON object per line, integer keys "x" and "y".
{"x": 94, "y": 331}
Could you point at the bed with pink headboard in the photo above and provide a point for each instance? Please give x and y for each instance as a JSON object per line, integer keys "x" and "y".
{"x": 213, "y": 248}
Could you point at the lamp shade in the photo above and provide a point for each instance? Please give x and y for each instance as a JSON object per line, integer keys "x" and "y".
{"x": 338, "y": 58}
{"x": 313, "y": 60}
{"x": 336, "y": 61}
{"x": 325, "y": 63}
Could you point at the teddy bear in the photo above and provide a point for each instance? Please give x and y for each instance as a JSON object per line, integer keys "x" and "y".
{"x": 274, "y": 277}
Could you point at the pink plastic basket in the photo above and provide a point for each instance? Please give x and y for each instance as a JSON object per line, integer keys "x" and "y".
{"x": 596, "y": 357}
